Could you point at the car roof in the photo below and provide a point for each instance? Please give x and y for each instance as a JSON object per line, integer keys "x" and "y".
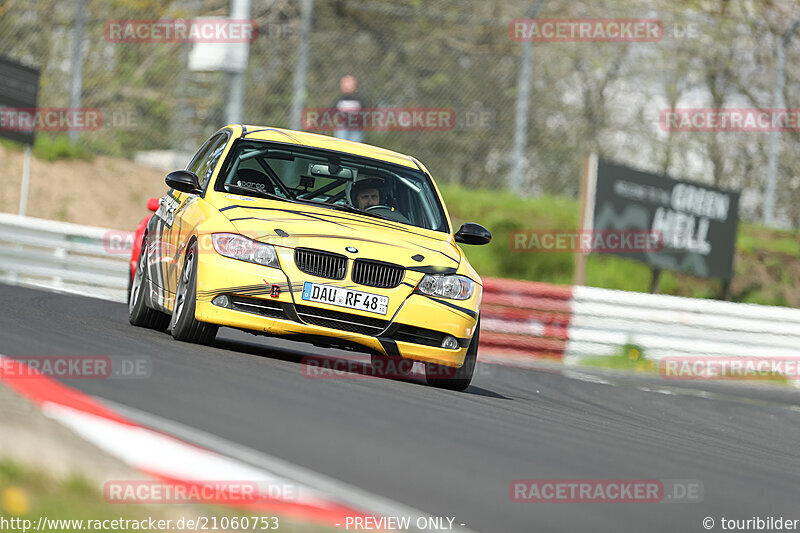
{"x": 315, "y": 140}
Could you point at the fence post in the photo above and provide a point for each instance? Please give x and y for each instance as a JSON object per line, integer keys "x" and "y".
{"x": 518, "y": 158}
{"x": 301, "y": 67}
{"x": 77, "y": 62}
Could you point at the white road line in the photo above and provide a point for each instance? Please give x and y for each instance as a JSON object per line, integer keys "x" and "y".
{"x": 152, "y": 451}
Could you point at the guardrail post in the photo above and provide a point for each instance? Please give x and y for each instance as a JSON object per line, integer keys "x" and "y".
{"x": 655, "y": 280}
{"x": 586, "y": 222}
{"x": 26, "y": 180}
{"x": 61, "y": 256}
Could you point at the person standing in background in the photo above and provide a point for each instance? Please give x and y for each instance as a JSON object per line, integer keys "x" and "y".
{"x": 349, "y": 102}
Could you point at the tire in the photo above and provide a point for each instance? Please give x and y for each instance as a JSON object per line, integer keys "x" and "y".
{"x": 138, "y": 312}
{"x": 457, "y": 379}
{"x": 184, "y": 326}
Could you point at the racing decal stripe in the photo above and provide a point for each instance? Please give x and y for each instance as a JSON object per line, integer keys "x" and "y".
{"x": 156, "y": 266}
{"x": 313, "y": 217}
{"x": 337, "y": 215}
{"x": 285, "y": 134}
{"x": 388, "y": 224}
{"x": 468, "y": 312}
{"x": 432, "y": 269}
{"x": 248, "y": 290}
{"x": 362, "y": 239}
{"x": 456, "y": 261}
{"x": 243, "y": 288}
{"x": 326, "y": 235}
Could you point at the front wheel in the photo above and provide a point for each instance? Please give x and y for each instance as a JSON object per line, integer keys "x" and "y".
{"x": 184, "y": 326}
{"x": 457, "y": 379}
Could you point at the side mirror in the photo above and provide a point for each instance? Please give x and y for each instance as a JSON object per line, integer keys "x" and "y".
{"x": 152, "y": 204}
{"x": 184, "y": 181}
{"x": 471, "y": 233}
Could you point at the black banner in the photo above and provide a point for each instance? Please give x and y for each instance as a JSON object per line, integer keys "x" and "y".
{"x": 19, "y": 88}
{"x": 697, "y": 222}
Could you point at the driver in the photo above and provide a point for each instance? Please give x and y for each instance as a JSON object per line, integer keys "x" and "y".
{"x": 366, "y": 191}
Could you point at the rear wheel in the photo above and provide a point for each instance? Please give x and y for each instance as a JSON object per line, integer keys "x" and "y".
{"x": 138, "y": 312}
{"x": 457, "y": 379}
{"x": 184, "y": 326}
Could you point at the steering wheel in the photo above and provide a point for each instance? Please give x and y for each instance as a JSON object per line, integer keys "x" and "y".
{"x": 387, "y": 212}
{"x": 376, "y": 207}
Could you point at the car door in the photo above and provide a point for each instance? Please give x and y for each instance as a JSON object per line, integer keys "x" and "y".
{"x": 178, "y": 233}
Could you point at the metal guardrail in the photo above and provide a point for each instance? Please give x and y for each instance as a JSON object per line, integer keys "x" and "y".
{"x": 525, "y": 318}
{"x": 64, "y": 257}
{"x": 522, "y": 318}
{"x": 518, "y": 318}
{"x": 670, "y": 326}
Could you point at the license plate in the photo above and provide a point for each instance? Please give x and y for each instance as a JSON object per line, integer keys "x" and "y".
{"x": 327, "y": 294}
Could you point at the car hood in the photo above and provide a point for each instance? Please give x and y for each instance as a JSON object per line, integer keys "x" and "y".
{"x": 299, "y": 225}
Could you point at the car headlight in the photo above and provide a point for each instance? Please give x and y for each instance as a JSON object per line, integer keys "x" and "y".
{"x": 244, "y": 249}
{"x": 447, "y": 286}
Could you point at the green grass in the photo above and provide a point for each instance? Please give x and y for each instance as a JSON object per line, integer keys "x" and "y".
{"x": 619, "y": 362}
{"x": 53, "y": 148}
{"x": 766, "y": 266}
{"x": 622, "y": 362}
{"x": 760, "y": 239}
{"x": 504, "y": 212}
{"x": 29, "y": 494}
{"x": 629, "y": 357}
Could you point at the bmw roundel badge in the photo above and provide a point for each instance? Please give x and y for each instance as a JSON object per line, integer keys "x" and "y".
{"x": 351, "y": 249}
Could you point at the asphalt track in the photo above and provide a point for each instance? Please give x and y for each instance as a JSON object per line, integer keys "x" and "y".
{"x": 447, "y": 453}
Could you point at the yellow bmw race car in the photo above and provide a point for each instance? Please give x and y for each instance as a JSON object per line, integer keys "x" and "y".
{"x": 323, "y": 240}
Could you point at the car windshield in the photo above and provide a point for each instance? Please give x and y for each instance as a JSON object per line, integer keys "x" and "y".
{"x": 334, "y": 180}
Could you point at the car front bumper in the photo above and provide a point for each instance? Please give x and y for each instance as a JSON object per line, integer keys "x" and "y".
{"x": 412, "y": 328}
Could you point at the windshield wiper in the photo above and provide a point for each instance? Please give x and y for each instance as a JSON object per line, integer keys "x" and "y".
{"x": 259, "y": 192}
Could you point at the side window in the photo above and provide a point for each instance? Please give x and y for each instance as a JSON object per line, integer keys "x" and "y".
{"x": 199, "y": 157}
{"x": 215, "y": 148}
{"x": 206, "y": 158}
